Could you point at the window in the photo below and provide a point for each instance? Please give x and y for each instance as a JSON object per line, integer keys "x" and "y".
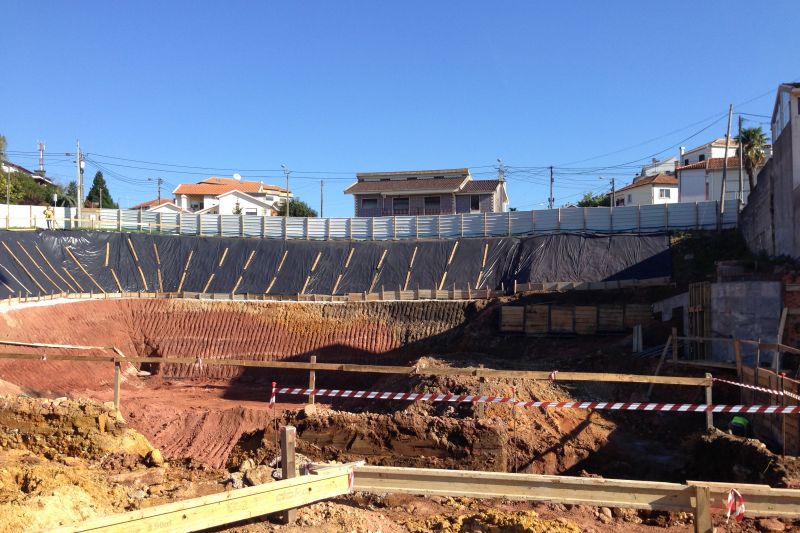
{"x": 369, "y": 205}
{"x": 702, "y": 157}
{"x": 251, "y": 211}
{"x": 663, "y": 193}
{"x": 400, "y": 206}
{"x": 620, "y": 202}
{"x": 630, "y": 199}
{"x": 433, "y": 205}
{"x": 475, "y": 203}
{"x": 685, "y": 161}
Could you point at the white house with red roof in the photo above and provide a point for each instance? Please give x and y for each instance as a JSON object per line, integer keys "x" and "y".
{"x": 229, "y": 196}
{"x": 426, "y": 192}
{"x": 648, "y": 190}
{"x": 700, "y": 173}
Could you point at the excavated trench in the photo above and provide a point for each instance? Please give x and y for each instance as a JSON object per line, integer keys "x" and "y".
{"x": 219, "y": 415}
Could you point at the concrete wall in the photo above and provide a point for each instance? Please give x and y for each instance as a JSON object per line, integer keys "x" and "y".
{"x": 733, "y": 314}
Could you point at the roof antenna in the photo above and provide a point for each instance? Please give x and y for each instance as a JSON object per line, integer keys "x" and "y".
{"x": 501, "y": 170}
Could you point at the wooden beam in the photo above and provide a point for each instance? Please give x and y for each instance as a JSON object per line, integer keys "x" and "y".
{"x": 185, "y": 270}
{"x": 53, "y": 283}
{"x": 75, "y": 259}
{"x": 288, "y": 443}
{"x": 55, "y": 271}
{"x": 223, "y": 508}
{"x": 22, "y": 265}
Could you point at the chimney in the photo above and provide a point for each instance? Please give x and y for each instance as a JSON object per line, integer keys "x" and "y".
{"x": 683, "y": 150}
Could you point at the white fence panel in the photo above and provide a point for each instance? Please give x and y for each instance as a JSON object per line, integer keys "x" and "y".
{"x": 731, "y": 215}
{"x": 317, "y": 228}
{"x": 497, "y": 224}
{"x": 652, "y": 218}
{"x": 473, "y": 224}
{"x": 209, "y": 225}
{"x": 189, "y": 224}
{"x": 545, "y": 220}
{"x": 339, "y": 228}
{"x": 274, "y": 227}
{"x": 707, "y": 215}
{"x": 360, "y": 228}
{"x": 169, "y": 222}
{"x": 625, "y": 219}
{"x": 572, "y": 219}
{"x": 296, "y": 228}
{"x": 405, "y": 227}
{"x": 382, "y": 228}
{"x": 521, "y": 222}
{"x": 428, "y": 226}
{"x": 598, "y": 219}
{"x": 450, "y": 225}
{"x": 252, "y": 225}
{"x": 682, "y": 216}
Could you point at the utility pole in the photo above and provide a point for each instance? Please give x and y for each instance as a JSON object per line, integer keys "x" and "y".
{"x": 741, "y": 159}
{"x": 321, "y": 197}
{"x": 158, "y": 181}
{"x": 550, "y": 201}
{"x": 286, "y": 172}
{"x": 100, "y": 205}
{"x": 725, "y": 168}
{"x": 613, "y": 192}
{"x": 79, "y": 165}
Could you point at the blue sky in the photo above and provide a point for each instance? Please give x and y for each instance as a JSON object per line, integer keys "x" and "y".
{"x": 332, "y": 88}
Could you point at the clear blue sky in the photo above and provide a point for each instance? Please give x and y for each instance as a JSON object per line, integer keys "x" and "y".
{"x": 332, "y": 88}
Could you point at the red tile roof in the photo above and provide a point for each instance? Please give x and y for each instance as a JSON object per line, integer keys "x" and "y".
{"x": 215, "y": 186}
{"x": 441, "y": 172}
{"x": 480, "y": 186}
{"x": 152, "y": 203}
{"x": 659, "y": 179}
{"x": 715, "y": 163}
{"x": 432, "y": 184}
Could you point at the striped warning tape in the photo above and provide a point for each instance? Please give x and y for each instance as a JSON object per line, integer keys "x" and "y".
{"x": 612, "y": 406}
{"x": 760, "y": 389}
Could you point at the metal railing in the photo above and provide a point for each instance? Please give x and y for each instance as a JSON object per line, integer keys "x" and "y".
{"x": 603, "y": 220}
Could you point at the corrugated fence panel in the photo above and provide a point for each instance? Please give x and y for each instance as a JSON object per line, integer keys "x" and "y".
{"x": 169, "y": 223}
{"x": 652, "y": 217}
{"x": 296, "y": 228}
{"x": 382, "y": 228}
{"x": 572, "y": 219}
{"x": 599, "y": 218}
{"x": 209, "y": 225}
{"x": 274, "y": 227}
{"x": 450, "y": 225}
{"x": 521, "y": 222}
{"x": 545, "y": 220}
{"x": 497, "y": 224}
{"x": 405, "y": 227}
{"x": 317, "y": 228}
{"x": 730, "y": 216}
{"x": 473, "y": 225}
{"x": 428, "y": 226}
{"x": 626, "y": 218}
{"x": 360, "y": 228}
{"x": 230, "y": 225}
{"x": 108, "y": 219}
{"x": 707, "y": 214}
{"x": 252, "y": 226}
{"x": 189, "y": 224}
{"x": 339, "y": 228}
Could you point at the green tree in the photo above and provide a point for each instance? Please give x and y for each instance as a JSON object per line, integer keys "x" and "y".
{"x": 100, "y": 190}
{"x": 751, "y": 143}
{"x": 592, "y": 200}
{"x": 237, "y": 209}
{"x": 297, "y": 208}
{"x": 69, "y": 195}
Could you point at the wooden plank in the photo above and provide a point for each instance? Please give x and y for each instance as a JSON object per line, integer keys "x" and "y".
{"x": 512, "y": 318}
{"x": 185, "y": 270}
{"x": 288, "y": 443}
{"x": 610, "y": 318}
{"x": 28, "y": 272}
{"x": 224, "y": 508}
{"x": 562, "y": 319}
{"x": 75, "y": 259}
{"x": 637, "y": 314}
{"x": 585, "y": 319}
{"x": 702, "y": 510}
{"x": 53, "y": 283}
{"x": 55, "y": 271}
{"x": 537, "y": 319}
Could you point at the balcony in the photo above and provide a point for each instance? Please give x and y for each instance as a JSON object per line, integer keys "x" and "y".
{"x": 389, "y": 212}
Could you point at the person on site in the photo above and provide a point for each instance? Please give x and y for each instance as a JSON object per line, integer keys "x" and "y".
{"x": 739, "y": 426}
{"x": 48, "y": 216}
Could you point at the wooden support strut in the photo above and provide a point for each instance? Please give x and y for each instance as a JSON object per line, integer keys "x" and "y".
{"x": 22, "y": 265}
{"x": 185, "y": 270}
{"x": 75, "y": 259}
{"x": 158, "y": 267}
{"x": 277, "y": 271}
{"x": 53, "y": 283}
{"x": 47, "y": 261}
{"x": 288, "y": 442}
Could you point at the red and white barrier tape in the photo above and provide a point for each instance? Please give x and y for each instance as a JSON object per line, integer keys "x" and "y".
{"x": 734, "y": 506}
{"x": 760, "y": 389}
{"x": 272, "y": 398}
{"x": 611, "y": 406}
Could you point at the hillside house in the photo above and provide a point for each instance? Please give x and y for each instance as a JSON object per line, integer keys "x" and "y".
{"x": 226, "y": 196}
{"x": 648, "y": 190}
{"x": 426, "y": 192}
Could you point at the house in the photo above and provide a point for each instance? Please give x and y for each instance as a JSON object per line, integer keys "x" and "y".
{"x": 38, "y": 176}
{"x": 700, "y": 173}
{"x": 229, "y": 196}
{"x": 664, "y": 166}
{"x": 426, "y": 192}
{"x": 647, "y": 190}
{"x": 159, "y": 205}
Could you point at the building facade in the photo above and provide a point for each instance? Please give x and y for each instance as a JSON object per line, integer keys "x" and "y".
{"x": 222, "y": 196}
{"x": 648, "y": 190}
{"x": 426, "y": 192}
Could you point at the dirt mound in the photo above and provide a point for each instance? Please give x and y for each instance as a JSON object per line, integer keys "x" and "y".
{"x": 495, "y": 522}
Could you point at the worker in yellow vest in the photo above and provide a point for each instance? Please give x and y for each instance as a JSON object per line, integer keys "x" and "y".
{"x": 48, "y": 216}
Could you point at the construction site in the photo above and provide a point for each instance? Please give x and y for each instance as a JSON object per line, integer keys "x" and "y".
{"x": 559, "y": 382}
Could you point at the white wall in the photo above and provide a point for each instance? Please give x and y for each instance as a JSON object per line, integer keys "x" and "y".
{"x": 228, "y": 202}
{"x": 656, "y": 194}
{"x": 692, "y": 185}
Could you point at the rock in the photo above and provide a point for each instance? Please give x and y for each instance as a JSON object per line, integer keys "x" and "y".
{"x": 247, "y": 464}
{"x": 154, "y": 458}
{"x": 770, "y": 524}
{"x": 606, "y": 512}
{"x": 310, "y": 409}
{"x": 138, "y": 495}
{"x": 236, "y": 480}
{"x": 259, "y": 475}
{"x": 155, "y": 490}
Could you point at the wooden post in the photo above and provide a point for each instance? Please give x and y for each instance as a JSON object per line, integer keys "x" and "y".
{"x": 116, "y": 384}
{"x": 312, "y": 381}
{"x": 288, "y": 439}
{"x": 709, "y": 401}
{"x": 702, "y": 510}
{"x": 674, "y": 344}
{"x": 737, "y": 351}
{"x": 480, "y": 408}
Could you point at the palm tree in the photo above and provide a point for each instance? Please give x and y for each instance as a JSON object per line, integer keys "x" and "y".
{"x": 751, "y": 144}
